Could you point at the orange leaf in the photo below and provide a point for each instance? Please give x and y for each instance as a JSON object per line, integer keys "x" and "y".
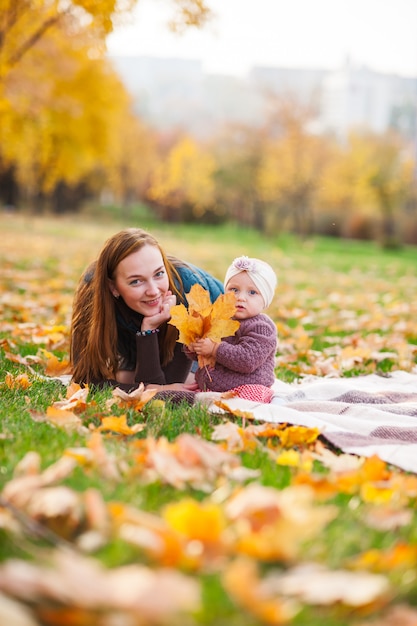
{"x": 54, "y": 367}
{"x": 199, "y": 299}
{"x": 136, "y": 399}
{"x": 190, "y": 326}
{"x": 198, "y": 521}
{"x": 120, "y": 425}
{"x": 62, "y": 417}
{"x": 77, "y": 401}
{"x": 21, "y": 381}
{"x": 203, "y": 319}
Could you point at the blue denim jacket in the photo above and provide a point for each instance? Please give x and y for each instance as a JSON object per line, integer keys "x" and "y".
{"x": 190, "y": 274}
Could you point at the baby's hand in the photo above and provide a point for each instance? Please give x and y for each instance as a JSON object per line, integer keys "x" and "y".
{"x": 205, "y": 347}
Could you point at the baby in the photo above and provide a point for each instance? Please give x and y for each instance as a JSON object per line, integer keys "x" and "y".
{"x": 248, "y": 356}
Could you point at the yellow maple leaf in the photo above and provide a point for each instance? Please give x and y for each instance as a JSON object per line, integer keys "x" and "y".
{"x": 119, "y": 425}
{"x": 20, "y": 381}
{"x": 53, "y": 366}
{"x": 199, "y": 299}
{"x": 204, "y": 320}
{"x": 190, "y": 326}
{"x": 198, "y": 521}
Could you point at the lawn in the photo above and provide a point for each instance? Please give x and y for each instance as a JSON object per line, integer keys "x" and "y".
{"x": 118, "y": 512}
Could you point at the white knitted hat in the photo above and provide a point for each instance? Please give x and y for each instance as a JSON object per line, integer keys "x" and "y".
{"x": 260, "y": 272}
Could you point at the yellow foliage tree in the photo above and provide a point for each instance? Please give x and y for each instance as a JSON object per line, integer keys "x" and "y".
{"x": 184, "y": 179}
{"x": 290, "y": 167}
{"x": 345, "y": 182}
{"x": 64, "y": 114}
{"x": 371, "y": 176}
{"x": 23, "y": 23}
{"x": 61, "y": 112}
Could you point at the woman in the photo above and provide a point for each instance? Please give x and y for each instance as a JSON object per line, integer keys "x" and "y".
{"x": 120, "y": 334}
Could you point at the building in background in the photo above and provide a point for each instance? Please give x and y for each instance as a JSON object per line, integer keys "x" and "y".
{"x": 176, "y": 93}
{"x": 357, "y": 97}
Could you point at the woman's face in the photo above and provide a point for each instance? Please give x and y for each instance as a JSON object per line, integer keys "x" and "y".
{"x": 141, "y": 280}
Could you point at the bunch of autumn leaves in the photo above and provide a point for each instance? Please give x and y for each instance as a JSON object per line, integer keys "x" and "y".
{"x": 205, "y": 320}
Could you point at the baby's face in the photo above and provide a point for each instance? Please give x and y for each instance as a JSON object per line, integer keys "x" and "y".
{"x": 249, "y": 301}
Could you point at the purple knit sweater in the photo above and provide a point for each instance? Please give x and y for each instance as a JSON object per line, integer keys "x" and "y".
{"x": 247, "y": 357}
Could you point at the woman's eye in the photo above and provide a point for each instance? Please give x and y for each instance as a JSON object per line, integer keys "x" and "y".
{"x": 160, "y": 274}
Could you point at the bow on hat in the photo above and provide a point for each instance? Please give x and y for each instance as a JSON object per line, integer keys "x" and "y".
{"x": 260, "y": 272}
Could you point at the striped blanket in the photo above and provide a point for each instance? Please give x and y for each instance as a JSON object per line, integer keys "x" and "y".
{"x": 366, "y": 415}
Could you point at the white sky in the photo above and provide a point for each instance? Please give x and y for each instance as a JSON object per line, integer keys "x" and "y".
{"x": 381, "y": 34}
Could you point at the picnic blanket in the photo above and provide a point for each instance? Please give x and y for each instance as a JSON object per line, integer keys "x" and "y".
{"x": 365, "y": 415}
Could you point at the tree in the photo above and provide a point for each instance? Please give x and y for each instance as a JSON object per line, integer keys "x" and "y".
{"x": 63, "y": 111}
{"x": 369, "y": 178}
{"x": 291, "y": 166}
{"x": 182, "y": 181}
{"x": 237, "y": 150}
{"x": 23, "y": 23}
{"x": 391, "y": 180}
{"x": 64, "y": 121}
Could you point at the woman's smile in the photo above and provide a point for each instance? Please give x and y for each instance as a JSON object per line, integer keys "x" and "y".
{"x": 153, "y": 303}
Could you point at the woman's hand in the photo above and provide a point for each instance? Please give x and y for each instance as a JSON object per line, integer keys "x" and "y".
{"x": 174, "y": 387}
{"x": 151, "y": 322}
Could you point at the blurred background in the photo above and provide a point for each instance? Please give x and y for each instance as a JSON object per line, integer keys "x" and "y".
{"x": 280, "y": 116}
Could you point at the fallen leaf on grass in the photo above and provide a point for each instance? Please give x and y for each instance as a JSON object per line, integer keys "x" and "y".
{"x": 387, "y": 517}
{"x": 23, "y": 360}
{"x": 57, "y": 508}
{"x": 236, "y": 438}
{"x": 291, "y": 436}
{"x": 324, "y": 487}
{"x": 243, "y": 583}
{"x": 399, "y": 556}
{"x": 96, "y": 457}
{"x": 37, "y": 503}
{"x": 337, "y": 462}
{"x": 136, "y": 399}
{"x": 189, "y": 460}
{"x": 293, "y": 458}
{"x": 401, "y": 615}
{"x": 30, "y": 465}
{"x": 149, "y": 532}
{"x": 20, "y": 381}
{"x": 225, "y": 407}
{"x": 272, "y": 524}
{"x": 72, "y": 582}
{"x": 200, "y": 521}
{"x": 76, "y": 399}
{"x": 377, "y": 493}
{"x": 53, "y": 366}
{"x": 19, "y": 490}
{"x": 14, "y": 613}
{"x": 60, "y": 418}
{"x": 119, "y": 425}
{"x": 315, "y": 584}
{"x": 371, "y": 470}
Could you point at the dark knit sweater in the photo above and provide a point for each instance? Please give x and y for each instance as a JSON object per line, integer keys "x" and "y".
{"x": 247, "y": 357}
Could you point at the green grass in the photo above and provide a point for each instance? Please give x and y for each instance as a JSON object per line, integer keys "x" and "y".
{"x": 332, "y": 293}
